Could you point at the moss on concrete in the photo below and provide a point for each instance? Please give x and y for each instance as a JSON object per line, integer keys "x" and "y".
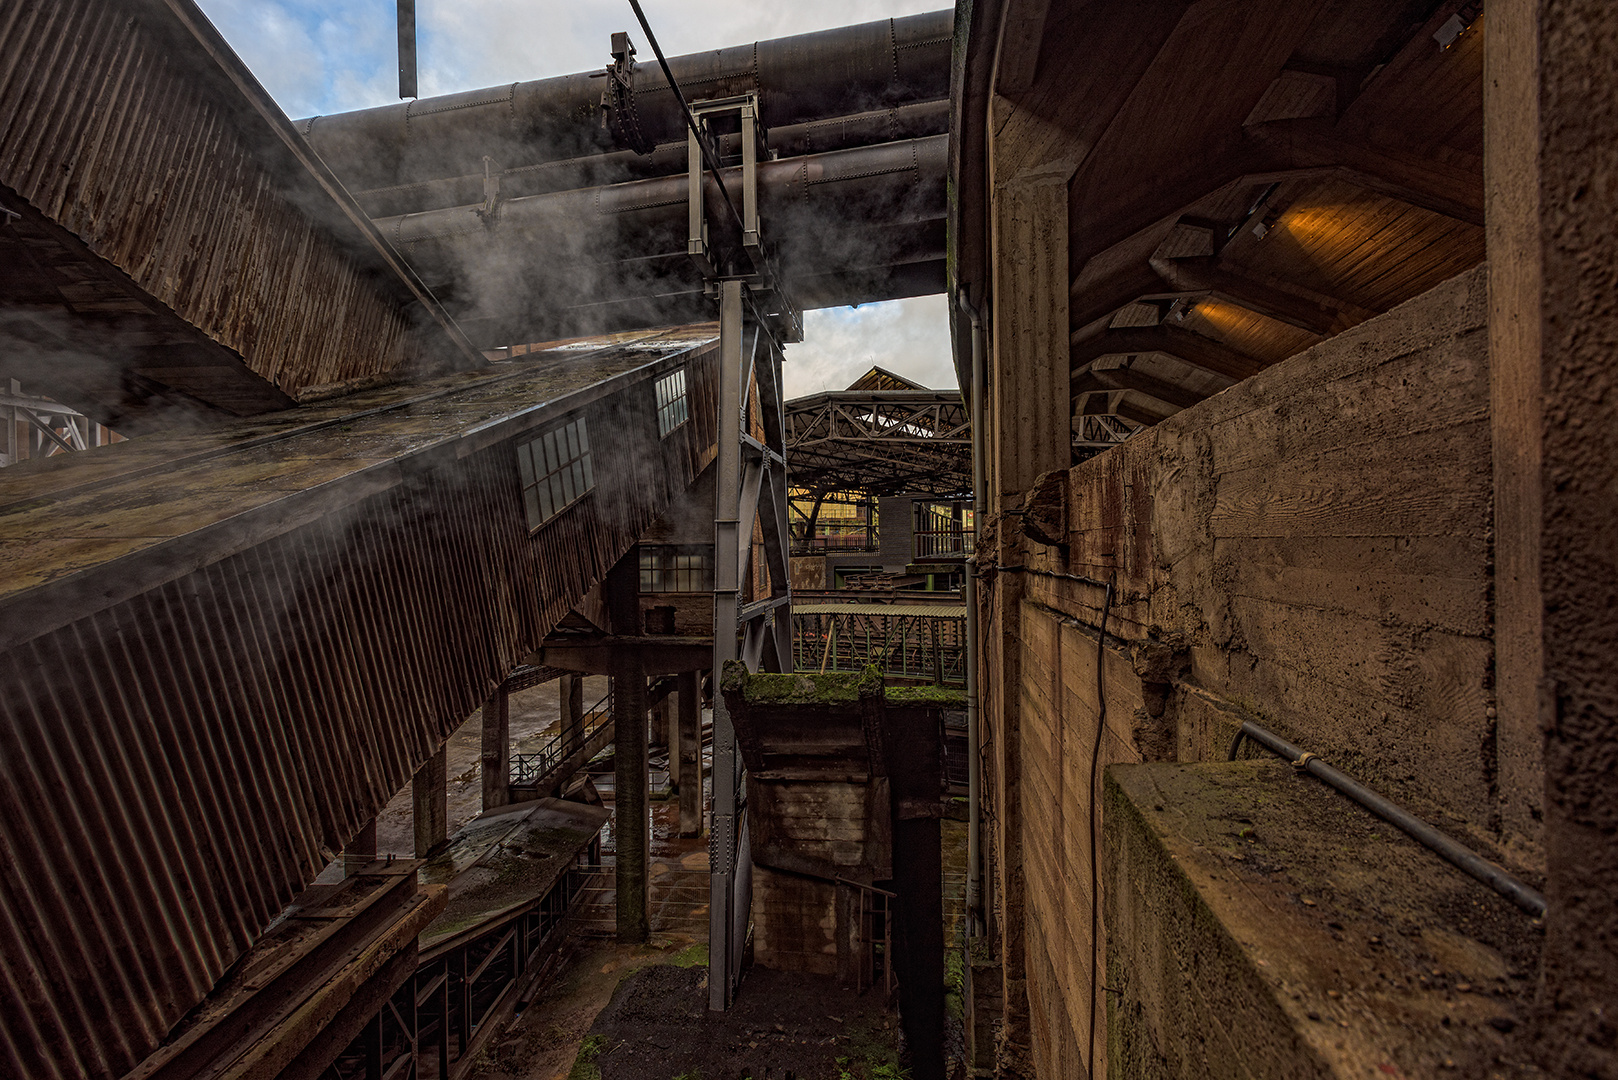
{"x": 937, "y": 697}
{"x": 800, "y": 689}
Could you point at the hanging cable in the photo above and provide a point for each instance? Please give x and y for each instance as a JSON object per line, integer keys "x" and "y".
{"x": 1095, "y": 813}
{"x": 690, "y": 119}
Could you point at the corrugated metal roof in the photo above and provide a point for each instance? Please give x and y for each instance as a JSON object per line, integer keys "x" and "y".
{"x": 179, "y": 186}
{"x": 222, "y": 653}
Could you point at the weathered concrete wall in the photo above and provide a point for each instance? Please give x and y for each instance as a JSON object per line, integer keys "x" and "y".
{"x": 1313, "y": 547}
{"x": 794, "y": 922}
{"x": 1249, "y": 940}
{"x": 1310, "y": 549}
{"x": 1576, "y": 206}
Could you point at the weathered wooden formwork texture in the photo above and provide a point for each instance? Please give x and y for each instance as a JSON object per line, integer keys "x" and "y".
{"x": 1310, "y": 549}
{"x": 126, "y": 124}
{"x": 1058, "y": 716}
{"x": 178, "y": 762}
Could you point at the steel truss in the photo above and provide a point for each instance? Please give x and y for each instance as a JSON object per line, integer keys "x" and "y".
{"x": 885, "y": 442}
{"x": 752, "y": 592}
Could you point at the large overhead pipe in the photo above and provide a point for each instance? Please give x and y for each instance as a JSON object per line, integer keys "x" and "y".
{"x": 869, "y": 68}
{"x": 913, "y": 121}
{"x": 849, "y": 226}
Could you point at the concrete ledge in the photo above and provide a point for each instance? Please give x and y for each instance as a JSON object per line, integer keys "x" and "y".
{"x": 1261, "y": 926}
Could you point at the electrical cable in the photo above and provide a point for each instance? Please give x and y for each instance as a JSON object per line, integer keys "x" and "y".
{"x": 1458, "y": 855}
{"x": 1095, "y": 809}
{"x": 690, "y": 119}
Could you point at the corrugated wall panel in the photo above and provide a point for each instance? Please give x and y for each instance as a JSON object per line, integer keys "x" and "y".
{"x": 109, "y": 129}
{"x": 176, "y": 767}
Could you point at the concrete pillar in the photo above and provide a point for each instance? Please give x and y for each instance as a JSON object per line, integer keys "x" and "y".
{"x": 429, "y": 797}
{"x": 361, "y": 850}
{"x": 660, "y": 725}
{"x": 570, "y": 691}
{"x": 1511, "y": 186}
{"x": 1553, "y": 191}
{"x": 631, "y": 791}
{"x": 689, "y": 719}
{"x": 1030, "y": 432}
{"x": 1030, "y": 394}
{"x": 496, "y": 767}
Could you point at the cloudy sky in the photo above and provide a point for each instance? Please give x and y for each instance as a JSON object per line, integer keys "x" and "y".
{"x": 323, "y": 56}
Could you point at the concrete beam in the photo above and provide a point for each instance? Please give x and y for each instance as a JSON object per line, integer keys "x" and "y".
{"x": 496, "y": 759}
{"x": 659, "y": 655}
{"x": 429, "y": 796}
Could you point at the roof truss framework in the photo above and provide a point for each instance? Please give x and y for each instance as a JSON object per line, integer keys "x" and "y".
{"x": 1249, "y": 179}
{"x": 885, "y": 442}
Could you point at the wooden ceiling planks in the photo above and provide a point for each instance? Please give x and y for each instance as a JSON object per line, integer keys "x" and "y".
{"x": 1322, "y": 162}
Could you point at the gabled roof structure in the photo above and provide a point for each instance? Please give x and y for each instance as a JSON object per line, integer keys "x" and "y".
{"x": 885, "y": 435}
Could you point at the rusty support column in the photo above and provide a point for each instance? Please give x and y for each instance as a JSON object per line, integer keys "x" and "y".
{"x": 570, "y": 692}
{"x": 728, "y": 857}
{"x": 689, "y": 753}
{"x": 660, "y": 728}
{"x": 496, "y": 758}
{"x": 429, "y": 800}
{"x": 631, "y": 790}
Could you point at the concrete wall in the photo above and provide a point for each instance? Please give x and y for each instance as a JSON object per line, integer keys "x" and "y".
{"x": 1310, "y": 549}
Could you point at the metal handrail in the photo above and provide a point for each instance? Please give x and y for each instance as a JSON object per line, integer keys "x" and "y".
{"x": 529, "y": 769}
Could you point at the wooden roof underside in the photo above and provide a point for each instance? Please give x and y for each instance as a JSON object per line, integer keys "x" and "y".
{"x": 1251, "y": 176}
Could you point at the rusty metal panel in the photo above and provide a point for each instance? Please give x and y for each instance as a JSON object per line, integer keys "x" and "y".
{"x": 117, "y": 125}
{"x": 176, "y": 764}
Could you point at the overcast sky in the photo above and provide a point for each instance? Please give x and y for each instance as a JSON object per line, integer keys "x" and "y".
{"x": 323, "y": 56}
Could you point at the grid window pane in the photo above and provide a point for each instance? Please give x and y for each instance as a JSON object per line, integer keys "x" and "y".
{"x": 554, "y": 471}
{"x": 673, "y": 408}
{"x": 668, "y": 568}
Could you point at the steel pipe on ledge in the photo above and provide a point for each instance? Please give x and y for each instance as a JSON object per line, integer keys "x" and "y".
{"x": 1457, "y": 854}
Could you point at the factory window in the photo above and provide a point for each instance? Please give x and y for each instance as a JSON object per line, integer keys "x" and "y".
{"x": 672, "y": 408}
{"x": 555, "y": 470}
{"x": 676, "y": 568}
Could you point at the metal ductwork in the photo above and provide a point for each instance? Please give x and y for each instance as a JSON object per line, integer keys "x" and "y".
{"x": 872, "y": 68}
{"x": 536, "y": 210}
{"x": 848, "y": 227}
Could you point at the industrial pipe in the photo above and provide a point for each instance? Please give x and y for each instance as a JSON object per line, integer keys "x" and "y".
{"x": 849, "y": 226}
{"x": 974, "y": 717}
{"x": 1461, "y": 857}
{"x": 807, "y": 77}
{"x": 913, "y": 121}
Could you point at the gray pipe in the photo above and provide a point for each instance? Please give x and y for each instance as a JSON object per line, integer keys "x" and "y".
{"x": 974, "y": 720}
{"x": 833, "y": 73}
{"x": 1461, "y": 857}
{"x": 849, "y": 226}
{"x": 913, "y": 121}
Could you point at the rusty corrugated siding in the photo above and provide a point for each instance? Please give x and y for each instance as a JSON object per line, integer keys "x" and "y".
{"x": 176, "y": 766}
{"x": 115, "y": 125}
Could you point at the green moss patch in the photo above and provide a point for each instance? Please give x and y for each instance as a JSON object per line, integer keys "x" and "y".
{"x": 800, "y": 689}
{"x": 937, "y": 697}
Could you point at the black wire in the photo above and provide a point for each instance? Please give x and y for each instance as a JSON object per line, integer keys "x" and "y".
{"x": 1052, "y": 574}
{"x": 691, "y": 120}
{"x": 1095, "y": 872}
